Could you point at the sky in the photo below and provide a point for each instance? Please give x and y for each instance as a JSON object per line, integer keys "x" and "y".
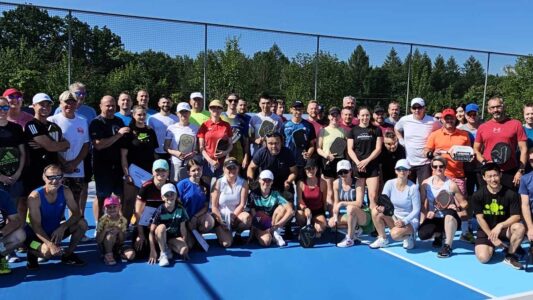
{"x": 498, "y": 26}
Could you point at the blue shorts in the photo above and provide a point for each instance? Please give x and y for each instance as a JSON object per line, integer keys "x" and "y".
{"x": 108, "y": 182}
{"x": 15, "y": 191}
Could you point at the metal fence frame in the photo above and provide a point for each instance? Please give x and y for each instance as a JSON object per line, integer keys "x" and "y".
{"x": 316, "y": 36}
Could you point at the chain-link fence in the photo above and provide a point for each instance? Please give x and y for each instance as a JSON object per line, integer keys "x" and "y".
{"x": 53, "y": 47}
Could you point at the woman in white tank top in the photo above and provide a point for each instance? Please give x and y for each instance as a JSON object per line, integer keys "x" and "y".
{"x": 228, "y": 202}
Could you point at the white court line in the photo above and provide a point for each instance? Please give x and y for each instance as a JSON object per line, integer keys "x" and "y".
{"x": 524, "y": 295}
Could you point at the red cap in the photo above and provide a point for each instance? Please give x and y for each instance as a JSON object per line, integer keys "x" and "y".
{"x": 11, "y": 91}
{"x": 448, "y": 112}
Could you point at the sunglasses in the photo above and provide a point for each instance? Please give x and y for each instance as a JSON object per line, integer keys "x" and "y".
{"x": 437, "y": 166}
{"x": 343, "y": 172}
{"x": 416, "y": 107}
{"x": 266, "y": 180}
{"x": 232, "y": 100}
{"x": 169, "y": 194}
{"x": 215, "y": 107}
{"x": 401, "y": 170}
{"x": 472, "y": 114}
{"x": 4, "y": 107}
{"x": 54, "y": 177}
{"x": 80, "y": 94}
{"x": 232, "y": 167}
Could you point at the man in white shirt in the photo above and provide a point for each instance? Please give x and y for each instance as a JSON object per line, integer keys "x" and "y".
{"x": 178, "y": 167}
{"x": 413, "y": 131}
{"x": 160, "y": 122}
{"x": 257, "y": 120}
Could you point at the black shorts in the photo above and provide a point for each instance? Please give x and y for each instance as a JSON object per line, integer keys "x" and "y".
{"x": 330, "y": 169}
{"x": 436, "y": 225}
{"x": 372, "y": 170}
{"x": 318, "y": 212}
{"x": 88, "y": 167}
{"x": 34, "y": 242}
{"x": 483, "y": 239}
{"x": 108, "y": 180}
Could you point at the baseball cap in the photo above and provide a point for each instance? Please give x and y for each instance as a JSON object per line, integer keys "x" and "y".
{"x": 266, "y": 174}
{"x": 379, "y": 109}
{"x": 311, "y": 163}
{"x": 183, "y": 106}
{"x": 160, "y": 164}
{"x": 298, "y": 104}
{"x": 418, "y": 101}
{"x": 231, "y": 161}
{"x": 448, "y": 112}
{"x": 471, "y": 107}
{"x": 334, "y": 110}
{"x": 10, "y": 92}
{"x": 216, "y": 102}
{"x": 196, "y": 95}
{"x": 111, "y": 200}
{"x": 168, "y": 187}
{"x": 343, "y": 165}
{"x": 402, "y": 164}
{"x": 40, "y": 97}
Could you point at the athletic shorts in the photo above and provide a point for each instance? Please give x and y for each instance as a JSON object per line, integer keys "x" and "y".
{"x": 15, "y": 191}
{"x": 483, "y": 239}
{"x": 436, "y": 225}
{"x": 34, "y": 242}
{"x": 88, "y": 167}
{"x": 108, "y": 181}
{"x": 234, "y": 225}
{"x": 75, "y": 184}
{"x": 372, "y": 170}
{"x": 330, "y": 170}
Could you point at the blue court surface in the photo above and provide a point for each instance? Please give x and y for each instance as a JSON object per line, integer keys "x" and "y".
{"x": 292, "y": 272}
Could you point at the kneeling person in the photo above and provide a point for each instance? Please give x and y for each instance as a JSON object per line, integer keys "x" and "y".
{"x": 11, "y": 233}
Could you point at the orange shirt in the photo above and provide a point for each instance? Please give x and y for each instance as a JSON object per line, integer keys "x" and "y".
{"x": 442, "y": 140}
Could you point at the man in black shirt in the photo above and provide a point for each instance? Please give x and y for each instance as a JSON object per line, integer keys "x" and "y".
{"x": 497, "y": 211}
{"x": 106, "y": 131}
{"x": 390, "y": 154}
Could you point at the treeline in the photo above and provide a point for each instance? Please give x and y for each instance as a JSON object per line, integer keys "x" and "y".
{"x": 34, "y": 58}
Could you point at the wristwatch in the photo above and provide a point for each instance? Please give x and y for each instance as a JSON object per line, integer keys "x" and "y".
{"x": 522, "y": 171}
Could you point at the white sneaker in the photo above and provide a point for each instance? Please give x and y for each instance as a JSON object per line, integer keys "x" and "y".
{"x": 379, "y": 243}
{"x": 346, "y": 242}
{"x": 279, "y": 240}
{"x": 13, "y": 258}
{"x": 163, "y": 259}
{"x": 409, "y": 242}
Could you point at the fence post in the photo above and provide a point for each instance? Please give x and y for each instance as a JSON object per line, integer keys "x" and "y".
{"x": 69, "y": 55}
{"x": 205, "y": 64}
{"x": 316, "y": 65}
{"x": 485, "y": 87}
{"x": 409, "y": 60}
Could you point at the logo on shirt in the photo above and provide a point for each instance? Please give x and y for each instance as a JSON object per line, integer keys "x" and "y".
{"x": 496, "y": 130}
{"x": 80, "y": 130}
{"x": 493, "y": 209}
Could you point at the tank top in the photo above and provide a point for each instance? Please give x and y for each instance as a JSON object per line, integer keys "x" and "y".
{"x": 312, "y": 196}
{"x": 346, "y": 195}
{"x": 432, "y": 192}
{"x": 230, "y": 197}
{"x": 52, "y": 213}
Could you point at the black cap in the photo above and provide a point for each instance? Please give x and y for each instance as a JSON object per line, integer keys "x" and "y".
{"x": 334, "y": 110}
{"x": 298, "y": 104}
{"x": 311, "y": 163}
{"x": 231, "y": 162}
{"x": 378, "y": 109}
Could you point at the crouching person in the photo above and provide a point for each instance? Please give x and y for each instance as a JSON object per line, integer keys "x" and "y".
{"x": 11, "y": 233}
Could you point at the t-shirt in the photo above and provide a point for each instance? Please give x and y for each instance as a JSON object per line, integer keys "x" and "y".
{"x": 159, "y": 124}
{"x": 105, "y": 222}
{"x": 102, "y": 128}
{"x": 391, "y": 121}
{"x": 11, "y": 137}
{"x": 171, "y": 219}
{"x": 126, "y": 119}
{"x": 193, "y": 196}
{"x": 40, "y": 158}
{"x": 406, "y": 203}
{"x": 442, "y": 140}
{"x": 239, "y": 128}
{"x": 199, "y": 118}
{"x": 279, "y": 165}
{"x": 84, "y": 110}
{"x": 255, "y": 123}
{"x": 174, "y": 133}
{"x": 415, "y": 135}
{"x": 212, "y": 132}
{"x": 76, "y": 132}
{"x": 268, "y": 204}
{"x": 496, "y": 208}
{"x": 288, "y": 130}
{"x": 529, "y": 134}
{"x": 317, "y": 126}
{"x": 526, "y": 187}
{"x": 329, "y": 134}
{"x": 346, "y": 128}
{"x": 365, "y": 140}
{"x": 141, "y": 143}
{"x": 509, "y": 132}
{"x": 388, "y": 161}
{"x": 385, "y": 127}
{"x": 150, "y": 194}
{"x": 22, "y": 119}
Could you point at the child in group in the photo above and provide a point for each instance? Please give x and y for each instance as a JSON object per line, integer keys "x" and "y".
{"x": 168, "y": 228}
{"x": 111, "y": 232}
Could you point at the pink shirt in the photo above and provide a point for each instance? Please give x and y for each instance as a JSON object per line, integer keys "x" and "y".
{"x": 22, "y": 119}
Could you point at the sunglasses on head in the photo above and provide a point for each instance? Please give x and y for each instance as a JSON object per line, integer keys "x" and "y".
{"x": 54, "y": 177}
{"x": 437, "y": 166}
{"x": 4, "y": 107}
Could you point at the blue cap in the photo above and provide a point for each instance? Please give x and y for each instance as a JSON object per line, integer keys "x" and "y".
{"x": 160, "y": 164}
{"x": 471, "y": 107}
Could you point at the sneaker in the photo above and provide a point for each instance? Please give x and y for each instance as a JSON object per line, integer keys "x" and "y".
{"x": 379, "y": 243}
{"x": 468, "y": 237}
{"x": 511, "y": 260}
{"x": 13, "y": 258}
{"x": 445, "y": 251}
{"x": 346, "y": 242}
{"x": 409, "y": 242}
{"x": 4, "y": 266}
{"x": 437, "y": 241}
{"x": 42, "y": 260}
{"x": 73, "y": 260}
{"x": 32, "y": 262}
{"x": 163, "y": 259}
{"x": 279, "y": 239}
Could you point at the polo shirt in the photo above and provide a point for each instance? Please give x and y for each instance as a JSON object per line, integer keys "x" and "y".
{"x": 443, "y": 140}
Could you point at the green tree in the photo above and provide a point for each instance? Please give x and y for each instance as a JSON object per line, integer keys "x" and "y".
{"x": 358, "y": 70}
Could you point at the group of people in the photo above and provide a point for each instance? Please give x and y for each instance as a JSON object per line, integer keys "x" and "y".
{"x": 163, "y": 179}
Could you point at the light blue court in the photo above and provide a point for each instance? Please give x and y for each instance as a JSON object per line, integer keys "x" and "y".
{"x": 251, "y": 272}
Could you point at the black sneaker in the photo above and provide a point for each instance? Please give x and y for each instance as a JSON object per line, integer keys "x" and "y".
{"x": 445, "y": 251}
{"x": 511, "y": 260}
{"x": 238, "y": 240}
{"x": 31, "y": 262}
{"x": 73, "y": 260}
{"x": 437, "y": 241}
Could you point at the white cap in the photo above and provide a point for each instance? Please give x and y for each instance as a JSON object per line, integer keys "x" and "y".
{"x": 168, "y": 187}
{"x": 40, "y": 97}
{"x": 418, "y": 101}
{"x": 183, "y": 106}
{"x": 343, "y": 165}
{"x": 402, "y": 163}
{"x": 266, "y": 174}
{"x": 196, "y": 95}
